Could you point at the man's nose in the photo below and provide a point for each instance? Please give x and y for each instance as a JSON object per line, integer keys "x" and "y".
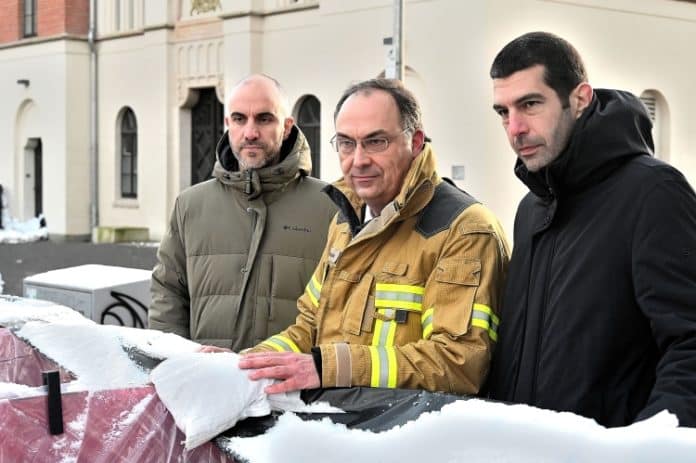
{"x": 251, "y": 132}
{"x": 360, "y": 156}
{"x": 516, "y": 125}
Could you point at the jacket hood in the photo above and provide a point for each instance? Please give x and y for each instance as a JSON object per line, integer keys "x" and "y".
{"x": 614, "y": 128}
{"x": 295, "y": 161}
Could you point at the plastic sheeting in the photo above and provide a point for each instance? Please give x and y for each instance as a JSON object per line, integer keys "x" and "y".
{"x": 21, "y": 364}
{"x": 120, "y": 425}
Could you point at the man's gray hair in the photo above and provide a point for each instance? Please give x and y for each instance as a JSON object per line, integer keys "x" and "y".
{"x": 406, "y": 103}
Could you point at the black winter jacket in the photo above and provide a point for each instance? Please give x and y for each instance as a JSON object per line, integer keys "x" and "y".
{"x": 599, "y": 314}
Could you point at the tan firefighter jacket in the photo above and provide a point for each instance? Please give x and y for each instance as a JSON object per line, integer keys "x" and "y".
{"x": 409, "y": 299}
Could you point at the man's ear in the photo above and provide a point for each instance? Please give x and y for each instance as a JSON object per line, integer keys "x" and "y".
{"x": 417, "y": 142}
{"x": 581, "y": 96}
{"x": 287, "y": 127}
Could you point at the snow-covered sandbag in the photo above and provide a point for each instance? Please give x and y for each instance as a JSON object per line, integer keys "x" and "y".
{"x": 207, "y": 393}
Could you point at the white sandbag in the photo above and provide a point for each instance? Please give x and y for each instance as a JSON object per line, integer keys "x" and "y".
{"x": 207, "y": 393}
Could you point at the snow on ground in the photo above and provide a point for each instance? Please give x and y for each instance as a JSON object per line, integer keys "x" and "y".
{"x": 15, "y": 231}
{"x": 473, "y": 431}
{"x": 22, "y": 232}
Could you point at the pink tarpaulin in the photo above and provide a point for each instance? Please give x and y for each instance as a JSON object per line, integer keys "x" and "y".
{"x": 121, "y": 425}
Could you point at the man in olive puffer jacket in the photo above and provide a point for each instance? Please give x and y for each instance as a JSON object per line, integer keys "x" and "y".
{"x": 241, "y": 247}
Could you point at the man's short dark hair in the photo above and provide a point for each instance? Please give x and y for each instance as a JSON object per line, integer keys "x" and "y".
{"x": 406, "y": 103}
{"x": 563, "y": 66}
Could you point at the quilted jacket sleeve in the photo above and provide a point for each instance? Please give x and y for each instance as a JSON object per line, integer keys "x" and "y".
{"x": 170, "y": 307}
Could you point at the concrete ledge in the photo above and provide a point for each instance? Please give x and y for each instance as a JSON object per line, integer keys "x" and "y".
{"x": 58, "y": 238}
{"x": 119, "y": 234}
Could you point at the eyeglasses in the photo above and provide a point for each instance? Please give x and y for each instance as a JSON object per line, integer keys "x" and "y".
{"x": 344, "y": 145}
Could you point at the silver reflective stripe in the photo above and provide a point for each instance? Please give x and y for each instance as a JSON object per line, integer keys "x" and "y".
{"x": 398, "y": 296}
{"x": 427, "y": 320}
{"x": 386, "y": 325}
{"x": 282, "y": 344}
{"x": 480, "y": 315}
{"x": 383, "y": 367}
{"x": 313, "y": 289}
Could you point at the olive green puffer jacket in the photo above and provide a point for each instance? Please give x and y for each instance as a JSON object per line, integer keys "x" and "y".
{"x": 240, "y": 249}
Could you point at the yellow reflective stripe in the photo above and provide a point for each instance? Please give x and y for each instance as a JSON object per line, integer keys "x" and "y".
{"x": 427, "y": 323}
{"x": 391, "y": 354}
{"x": 401, "y": 288}
{"x": 483, "y": 317}
{"x": 374, "y": 360}
{"x": 314, "y": 290}
{"x": 384, "y": 330}
{"x": 384, "y": 371}
{"x": 281, "y": 344}
{"x": 487, "y": 310}
{"x": 408, "y": 297}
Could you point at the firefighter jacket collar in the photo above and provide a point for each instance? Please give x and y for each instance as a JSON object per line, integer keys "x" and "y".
{"x": 417, "y": 190}
{"x": 295, "y": 160}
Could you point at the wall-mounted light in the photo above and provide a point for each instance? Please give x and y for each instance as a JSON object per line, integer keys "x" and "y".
{"x": 24, "y": 82}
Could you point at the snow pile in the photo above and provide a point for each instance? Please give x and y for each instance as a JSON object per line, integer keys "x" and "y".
{"x": 100, "y": 356}
{"x": 472, "y": 431}
{"x": 16, "y": 391}
{"x": 22, "y": 232}
{"x": 16, "y": 311}
{"x": 14, "y": 231}
{"x": 97, "y": 354}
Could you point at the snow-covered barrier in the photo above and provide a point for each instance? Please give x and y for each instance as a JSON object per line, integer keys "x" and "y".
{"x": 112, "y": 413}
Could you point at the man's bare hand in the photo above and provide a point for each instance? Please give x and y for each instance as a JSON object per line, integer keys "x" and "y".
{"x": 212, "y": 349}
{"x": 295, "y": 371}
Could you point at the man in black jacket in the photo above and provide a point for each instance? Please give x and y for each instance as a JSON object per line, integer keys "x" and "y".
{"x": 599, "y": 314}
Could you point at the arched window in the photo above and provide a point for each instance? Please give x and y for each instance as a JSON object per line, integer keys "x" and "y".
{"x": 129, "y": 155}
{"x": 308, "y": 116}
{"x": 656, "y": 105}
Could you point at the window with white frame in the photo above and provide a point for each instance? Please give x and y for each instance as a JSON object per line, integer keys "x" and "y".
{"x": 129, "y": 154}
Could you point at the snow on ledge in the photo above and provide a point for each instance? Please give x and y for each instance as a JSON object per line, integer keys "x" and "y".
{"x": 473, "y": 431}
{"x": 96, "y": 354}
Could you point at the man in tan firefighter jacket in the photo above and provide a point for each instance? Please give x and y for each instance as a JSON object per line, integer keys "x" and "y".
{"x": 407, "y": 290}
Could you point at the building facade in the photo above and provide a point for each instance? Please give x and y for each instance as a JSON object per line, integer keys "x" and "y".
{"x": 163, "y": 68}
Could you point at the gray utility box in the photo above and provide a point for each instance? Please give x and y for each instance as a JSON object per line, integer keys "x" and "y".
{"x": 108, "y": 295}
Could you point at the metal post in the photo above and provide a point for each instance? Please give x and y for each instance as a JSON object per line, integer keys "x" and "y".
{"x": 93, "y": 144}
{"x": 399, "y": 38}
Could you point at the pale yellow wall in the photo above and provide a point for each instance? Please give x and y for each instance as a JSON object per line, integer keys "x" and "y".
{"x": 41, "y": 111}
{"x": 319, "y": 48}
{"x": 133, "y": 73}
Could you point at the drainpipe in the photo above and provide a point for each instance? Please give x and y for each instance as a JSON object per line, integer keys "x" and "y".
{"x": 93, "y": 147}
{"x": 399, "y": 39}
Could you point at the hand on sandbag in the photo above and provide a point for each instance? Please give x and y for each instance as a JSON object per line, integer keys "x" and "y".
{"x": 293, "y": 371}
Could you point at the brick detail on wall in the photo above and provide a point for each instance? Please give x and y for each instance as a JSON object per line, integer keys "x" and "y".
{"x": 10, "y": 25}
{"x": 53, "y": 17}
